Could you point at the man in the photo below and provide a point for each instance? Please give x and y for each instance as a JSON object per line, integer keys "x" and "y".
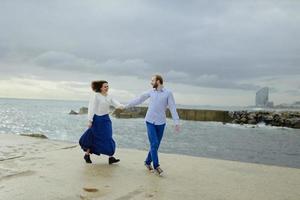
{"x": 160, "y": 99}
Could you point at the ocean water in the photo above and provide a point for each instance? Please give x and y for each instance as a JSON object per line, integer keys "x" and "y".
{"x": 255, "y": 144}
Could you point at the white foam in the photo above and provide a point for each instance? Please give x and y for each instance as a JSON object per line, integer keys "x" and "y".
{"x": 259, "y": 125}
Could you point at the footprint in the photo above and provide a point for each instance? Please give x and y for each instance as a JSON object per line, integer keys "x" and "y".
{"x": 149, "y": 195}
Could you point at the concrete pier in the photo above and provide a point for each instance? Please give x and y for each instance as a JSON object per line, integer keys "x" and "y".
{"x": 185, "y": 114}
{"x": 41, "y": 169}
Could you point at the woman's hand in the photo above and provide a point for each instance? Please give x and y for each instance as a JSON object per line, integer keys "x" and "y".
{"x": 90, "y": 124}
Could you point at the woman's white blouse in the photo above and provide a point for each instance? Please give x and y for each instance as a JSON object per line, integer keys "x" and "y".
{"x": 99, "y": 105}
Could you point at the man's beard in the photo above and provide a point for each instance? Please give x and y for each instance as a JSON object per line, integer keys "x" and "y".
{"x": 155, "y": 85}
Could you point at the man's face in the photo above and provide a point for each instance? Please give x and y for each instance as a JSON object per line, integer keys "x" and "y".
{"x": 154, "y": 82}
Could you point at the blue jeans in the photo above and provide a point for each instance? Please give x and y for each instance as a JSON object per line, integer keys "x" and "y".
{"x": 155, "y": 134}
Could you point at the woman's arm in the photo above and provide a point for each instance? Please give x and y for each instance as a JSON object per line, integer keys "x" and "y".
{"x": 116, "y": 103}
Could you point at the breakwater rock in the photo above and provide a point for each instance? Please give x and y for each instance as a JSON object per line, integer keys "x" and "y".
{"x": 285, "y": 118}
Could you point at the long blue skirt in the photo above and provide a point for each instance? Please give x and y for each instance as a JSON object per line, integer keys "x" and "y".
{"x": 98, "y": 138}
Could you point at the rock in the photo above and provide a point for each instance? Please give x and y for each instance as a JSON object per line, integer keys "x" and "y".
{"x": 295, "y": 122}
{"x": 276, "y": 117}
{"x": 244, "y": 120}
{"x": 287, "y": 123}
{"x": 83, "y": 110}
{"x": 37, "y": 135}
{"x": 274, "y": 123}
{"x": 267, "y": 119}
{"x": 231, "y": 114}
{"x": 259, "y": 118}
{"x": 235, "y": 121}
{"x": 252, "y": 121}
{"x": 252, "y": 116}
{"x": 72, "y": 112}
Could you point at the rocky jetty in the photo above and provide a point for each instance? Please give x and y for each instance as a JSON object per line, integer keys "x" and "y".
{"x": 285, "y": 119}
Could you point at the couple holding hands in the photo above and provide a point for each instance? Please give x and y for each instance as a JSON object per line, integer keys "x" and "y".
{"x": 97, "y": 139}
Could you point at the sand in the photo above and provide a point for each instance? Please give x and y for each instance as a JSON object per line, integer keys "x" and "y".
{"x": 37, "y": 169}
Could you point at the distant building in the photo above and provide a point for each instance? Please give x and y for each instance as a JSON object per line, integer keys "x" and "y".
{"x": 262, "y": 98}
{"x": 270, "y": 104}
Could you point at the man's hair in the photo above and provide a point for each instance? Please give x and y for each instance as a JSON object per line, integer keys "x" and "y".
{"x": 97, "y": 85}
{"x": 159, "y": 78}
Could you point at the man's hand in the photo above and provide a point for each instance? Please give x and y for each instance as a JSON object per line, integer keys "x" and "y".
{"x": 177, "y": 128}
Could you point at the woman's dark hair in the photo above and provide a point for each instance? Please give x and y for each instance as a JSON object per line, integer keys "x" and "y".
{"x": 97, "y": 85}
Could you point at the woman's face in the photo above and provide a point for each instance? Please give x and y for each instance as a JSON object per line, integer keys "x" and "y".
{"x": 105, "y": 88}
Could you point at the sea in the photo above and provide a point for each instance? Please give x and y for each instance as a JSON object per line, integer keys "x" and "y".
{"x": 260, "y": 143}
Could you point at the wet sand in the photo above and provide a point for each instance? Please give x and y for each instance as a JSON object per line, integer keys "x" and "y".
{"x": 33, "y": 168}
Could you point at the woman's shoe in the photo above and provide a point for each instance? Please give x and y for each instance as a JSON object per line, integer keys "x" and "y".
{"x": 112, "y": 160}
{"x": 87, "y": 158}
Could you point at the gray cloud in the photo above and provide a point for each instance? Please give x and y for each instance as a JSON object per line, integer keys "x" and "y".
{"x": 219, "y": 44}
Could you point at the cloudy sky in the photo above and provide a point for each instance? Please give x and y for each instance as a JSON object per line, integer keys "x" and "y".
{"x": 209, "y": 52}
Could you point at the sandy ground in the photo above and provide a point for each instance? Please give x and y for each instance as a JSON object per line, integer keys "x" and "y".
{"x": 37, "y": 169}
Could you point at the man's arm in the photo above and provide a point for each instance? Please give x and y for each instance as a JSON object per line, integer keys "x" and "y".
{"x": 138, "y": 100}
{"x": 172, "y": 107}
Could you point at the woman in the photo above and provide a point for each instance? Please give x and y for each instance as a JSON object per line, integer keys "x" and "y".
{"x": 97, "y": 139}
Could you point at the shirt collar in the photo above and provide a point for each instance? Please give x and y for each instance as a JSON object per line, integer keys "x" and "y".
{"x": 160, "y": 88}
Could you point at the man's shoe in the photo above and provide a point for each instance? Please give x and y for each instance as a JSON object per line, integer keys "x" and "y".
{"x": 158, "y": 171}
{"x": 87, "y": 158}
{"x": 112, "y": 160}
